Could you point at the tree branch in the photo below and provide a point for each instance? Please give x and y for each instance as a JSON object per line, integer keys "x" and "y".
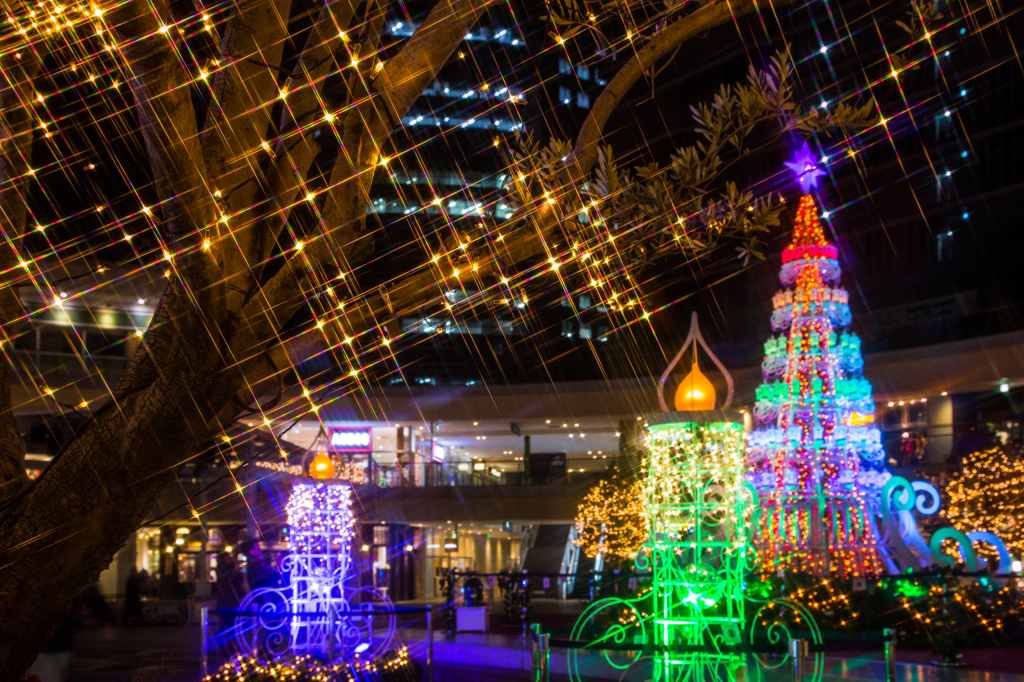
{"x": 293, "y": 158}
{"x": 269, "y": 368}
{"x": 17, "y": 131}
{"x": 402, "y": 80}
{"x": 367, "y": 126}
{"x": 584, "y": 154}
{"x": 239, "y": 119}
{"x": 415, "y": 291}
{"x": 168, "y": 123}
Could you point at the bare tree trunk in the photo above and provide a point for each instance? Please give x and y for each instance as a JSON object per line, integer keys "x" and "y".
{"x": 57, "y": 540}
{"x": 17, "y": 130}
{"x": 12, "y": 445}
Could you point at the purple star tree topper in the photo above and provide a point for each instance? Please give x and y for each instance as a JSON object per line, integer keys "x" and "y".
{"x": 805, "y": 168}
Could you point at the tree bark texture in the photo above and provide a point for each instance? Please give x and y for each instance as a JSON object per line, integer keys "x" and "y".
{"x": 17, "y": 131}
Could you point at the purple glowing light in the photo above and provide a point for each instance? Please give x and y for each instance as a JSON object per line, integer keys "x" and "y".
{"x": 805, "y": 168}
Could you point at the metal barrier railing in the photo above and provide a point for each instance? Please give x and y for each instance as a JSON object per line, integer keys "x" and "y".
{"x": 331, "y": 615}
{"x": 516, "y": 592}
{"x": 798, "y": 649}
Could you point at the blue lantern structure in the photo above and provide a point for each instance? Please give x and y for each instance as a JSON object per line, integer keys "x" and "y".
{"x": 318, "y": 614}
{"x": 320, "y": 525}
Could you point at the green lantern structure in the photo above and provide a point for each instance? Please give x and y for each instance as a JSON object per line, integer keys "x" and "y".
{"x": 701, "y": 515}
{"x": 698, "y": 550}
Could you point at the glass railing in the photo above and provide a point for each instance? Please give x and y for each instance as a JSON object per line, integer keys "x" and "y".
{"x": 438, "y": 475}
{"x": 61, "y": 368}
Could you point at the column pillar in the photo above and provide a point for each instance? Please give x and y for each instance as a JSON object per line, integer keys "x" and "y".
{"x": 630, "y": 433}
{"x": 940, "y": 429}
{"x": 203, "y": 571}
{"x": 526, "y": 460}
{"x": 402, "y": 448}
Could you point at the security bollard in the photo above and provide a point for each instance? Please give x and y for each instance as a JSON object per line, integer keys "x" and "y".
{"x": 890, "y": 655}
{"x": 330, "y": 635}
{"x": 204, "y": 626}
{"x": 545, "y": 655}
{"x": 430, "y": 646}
{"x": 535, "y": 650}
{"x": 798, "y": 652}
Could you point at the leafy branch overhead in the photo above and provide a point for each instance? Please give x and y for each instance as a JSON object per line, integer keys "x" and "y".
{"x": 923, "y": 19}
{"x": 616, "y": 25}
{"x": 640, "y": 215}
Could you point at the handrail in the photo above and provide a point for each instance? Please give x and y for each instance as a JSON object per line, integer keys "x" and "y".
{"x": 797, "y": 647}
{"x": 271, "y": 614}
{"x": 879, "y": 641}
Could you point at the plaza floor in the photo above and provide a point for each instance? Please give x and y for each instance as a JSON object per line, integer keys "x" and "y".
{"x": 170, "y": 654}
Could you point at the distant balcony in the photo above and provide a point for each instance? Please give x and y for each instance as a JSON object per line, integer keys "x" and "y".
{"x": 58, "y": 369}
{"x": 437, "y": 475}
{"x": 551, "y": 503}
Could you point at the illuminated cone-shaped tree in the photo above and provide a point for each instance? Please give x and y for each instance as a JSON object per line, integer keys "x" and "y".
{"x": 814, "y": 455}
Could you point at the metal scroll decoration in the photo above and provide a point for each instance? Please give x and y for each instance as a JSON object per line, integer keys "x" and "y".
{"x": 904, "y": 549}
{"x": 365, "y": 631}
{"x": 267, "y": 630}
{"x": 317, "y": 614}
{"x": 609, "y": 622}
{"x": 701, "y": 514}
{"x": 775, "y": 623}
{"x": 698, "y": 514}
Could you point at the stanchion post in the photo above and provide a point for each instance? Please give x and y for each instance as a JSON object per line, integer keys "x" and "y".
{"x": 430, "y": 646}
{"x": 890, "y": 655}
{"x": 545, "y": 654}
{"x": 204, "y": 628}
{"x": 535, "y": 649}
{"x": 798, "y": 652}
{"x": 330, "y": 635}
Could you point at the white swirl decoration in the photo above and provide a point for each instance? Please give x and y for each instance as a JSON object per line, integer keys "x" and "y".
{"x": 927, "y": 500}
{"x": 908, "y": 550}
{"x": 268, "y": 630}
{"x": 356, "y": 630}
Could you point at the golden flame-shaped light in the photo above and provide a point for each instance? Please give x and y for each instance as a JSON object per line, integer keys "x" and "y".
{"x": 695, "y": 393}
{"x": 321, "y": 466}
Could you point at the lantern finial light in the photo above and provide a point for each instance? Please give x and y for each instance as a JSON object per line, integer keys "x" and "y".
{"x": 695, "y": 392}
{"x": 321, "y": 466}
